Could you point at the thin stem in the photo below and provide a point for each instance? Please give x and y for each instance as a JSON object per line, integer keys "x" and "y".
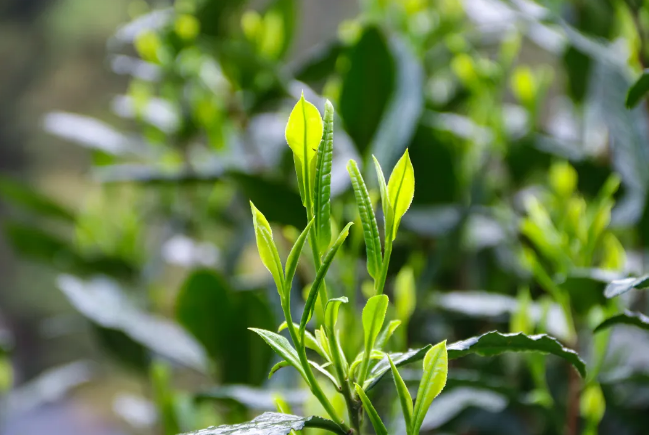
{"x": 310, "y": 378}
{"x": 343, "y": 379}
{"x": 380, "y": 283}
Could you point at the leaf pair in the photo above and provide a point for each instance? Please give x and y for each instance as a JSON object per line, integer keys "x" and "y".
{"x": 396, "y": 197}
{"x": 431, "y": 384}
{"x": 312, "y": 146}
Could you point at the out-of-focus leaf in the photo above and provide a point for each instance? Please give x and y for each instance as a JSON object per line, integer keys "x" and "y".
{"x": 279, "y": 203}
{"x": 638, "y": 90}
{"x": 122, "y": 348}
{"x": 621, "y": 286}
{"x": 367, "y": 87}
{"x": 33, "y": 201}
{"x": 272, "y": 423}
{"x": 148, "y": 175}
{"x": 404, "y": 108}
{"x": 399, "y": 359}
{"x": 215, "y": 17}
{"x": 252, "y": 398}
{"x": 319, "y": 63}
{"x": 368, "y": 219}
{"x": 39, "y": 245}
{"x": 627, "y": 318}
{"x": 495, "y": 343}
{"x": 432, "y": 383}
{"x": 586, "y": 288}
{"x": 322, "y": 187}
{"x": 372, "y": 415}
{"x": 101, "y": 301}
{"x": 285, "y": 12}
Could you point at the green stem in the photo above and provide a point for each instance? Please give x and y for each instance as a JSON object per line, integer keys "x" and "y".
{"x": 310, "y": 378}
{"x": 344, "y": 381}
{"x": 379, "y": 284}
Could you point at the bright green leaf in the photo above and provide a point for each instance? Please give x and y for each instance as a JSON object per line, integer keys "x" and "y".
{"x": 331, "y": 313}
{"x": 294, "y": 257}
{"x": 267, "y": 249}
{"x": 401, "y": 189}
{"x": 432, "y": 383}
{"x": 404, "y": 395}
{"x": 273, "y": 423}
{"x": 373, "y": 318}
{"x": 388, "y": 212}
{"x": 405, "y": 294}
{"x": 282, "y": 347}
{"x": 386, "y": 333}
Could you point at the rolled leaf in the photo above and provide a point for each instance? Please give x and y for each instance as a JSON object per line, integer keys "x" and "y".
{"x": 368, "y": 219}
{"x": 294, "y": 257}
{"x": 388, "y": 212}
{"x": 322, "y": 184}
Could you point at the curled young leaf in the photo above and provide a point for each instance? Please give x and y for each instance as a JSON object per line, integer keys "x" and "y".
{"x": 431, "y": 384}
{"x": 368, "y": 219}
{"x": 331, "y": 313}
{"x": 401, "y": 189}
{"x": 294, "y": 257}
{"x": 322, "y": 183}
{"x": 388, "y": 212}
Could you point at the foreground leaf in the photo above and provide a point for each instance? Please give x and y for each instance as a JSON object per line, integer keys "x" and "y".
{"x": 368, "y": 219}
{"x": 627, "y": 318}
{"x": 638, "y": 90}
{"x": 304, "y": 130}
{"x": 267, "y": 249}
{"x": 376, "y": 421}
{"x": 495, "y": 343}
{"x": 373, "y": 318}
{"x": 432, "y": 383}
{"x": 621, "y": 286}
{"x": 272, "y": 423}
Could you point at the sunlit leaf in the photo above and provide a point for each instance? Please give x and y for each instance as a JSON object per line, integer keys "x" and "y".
{"x": 621, "y": 286}
{"x": 404, "y": 395}
{"x": 282, "y": 347}
{"x": 401, "y": 189}
{"x": 386, "y": 333}
{"x": 432, "y": 383}
{"x": 267, "y": 249}
{"x": 373, "y": 318}
{"x": 294, "y": 257}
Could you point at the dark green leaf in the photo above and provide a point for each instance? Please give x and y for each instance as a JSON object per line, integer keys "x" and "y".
{"x": 621, "y": 286}
{"x": 33, "y": 201}
{"x": 627, "y": 318}
{"x": 638, "y": 90}
{"x": 403, "y": 111}
{"x": 272, "y": 423}
{"x": 322, "y": 186}
{"x": 495, "y": 343}
{"x": 102, "y": 302}
{"x": 586, "y": 288}
{"x": 367, "y": 87}
{"x": 368, "y": 219}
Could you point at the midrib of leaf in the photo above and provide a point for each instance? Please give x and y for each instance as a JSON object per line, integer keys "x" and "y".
{"x": 305, "y": 163}
{"x": 396, "y": 198}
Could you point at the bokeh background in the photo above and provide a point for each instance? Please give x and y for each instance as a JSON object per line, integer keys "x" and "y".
{"x": 132, "y": 134}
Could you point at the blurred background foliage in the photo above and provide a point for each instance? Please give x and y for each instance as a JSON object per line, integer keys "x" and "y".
{"x": 133, "y": 134}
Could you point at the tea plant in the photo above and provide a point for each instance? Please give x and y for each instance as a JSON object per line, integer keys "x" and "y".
{"x": 312, "y": 146}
